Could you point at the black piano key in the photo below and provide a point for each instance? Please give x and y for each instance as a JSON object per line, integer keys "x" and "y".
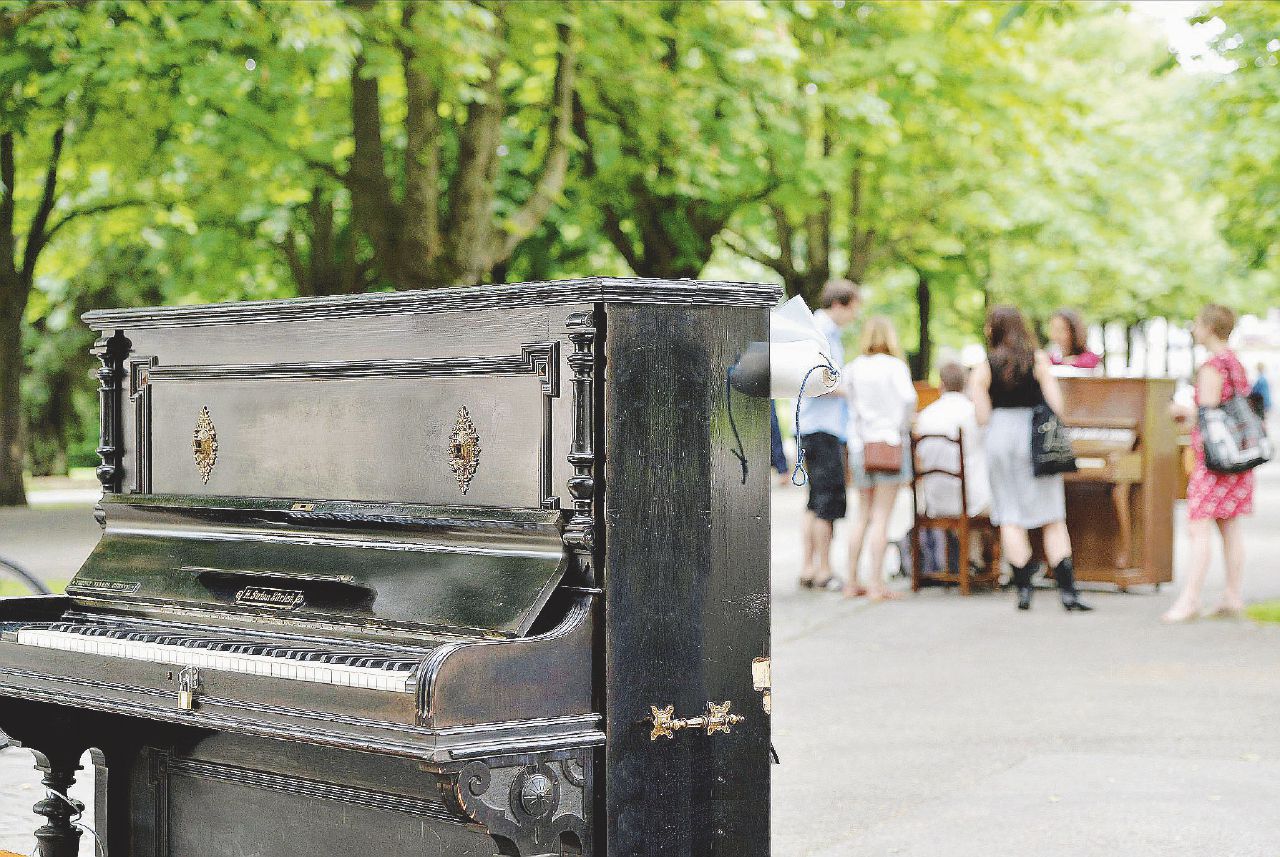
{"x": 293, "y": 654}
{"x": 345, "y": 659}
{"x": 243, "y": 648}
{"x": 401, "y": 666}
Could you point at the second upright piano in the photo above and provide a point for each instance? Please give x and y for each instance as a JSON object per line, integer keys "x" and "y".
{"x": 1120, "y": 501}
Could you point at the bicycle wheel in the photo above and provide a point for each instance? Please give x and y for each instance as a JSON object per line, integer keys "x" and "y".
{"x": 9, "y": 568}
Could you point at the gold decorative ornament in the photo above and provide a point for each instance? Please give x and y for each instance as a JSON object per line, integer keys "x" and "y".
{"x": 664, "y": 722}
{"x": 717, "y": 719}
{"x": 204, "y": 446}
{"x": 464, "y": 449}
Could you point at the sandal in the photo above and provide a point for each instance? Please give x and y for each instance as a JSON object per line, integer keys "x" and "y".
{"x": 857, "y": 590}
{"x": 829, "y": 584}
{"x": 806, "y": 583}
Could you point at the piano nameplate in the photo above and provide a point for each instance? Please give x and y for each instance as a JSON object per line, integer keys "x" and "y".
{"x": 269, "y": 596}
{"x": 122, "y": 586}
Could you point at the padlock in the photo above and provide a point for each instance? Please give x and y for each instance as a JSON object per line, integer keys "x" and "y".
{"x": 188, "y": 684}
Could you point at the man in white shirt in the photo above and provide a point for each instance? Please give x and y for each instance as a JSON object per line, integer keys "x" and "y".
{"x": 952, "y": 415}
{"x": 823, "y": 422}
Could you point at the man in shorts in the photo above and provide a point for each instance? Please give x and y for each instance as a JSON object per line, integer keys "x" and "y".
{"x": 823, "y": 427}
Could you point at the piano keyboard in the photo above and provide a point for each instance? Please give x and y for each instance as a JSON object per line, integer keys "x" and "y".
{"x": 1120, "y": 438}
{"x": 275, "y": 659}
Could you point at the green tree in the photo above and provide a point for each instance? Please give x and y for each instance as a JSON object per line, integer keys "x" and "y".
{"x": 72, "y": 79}
{"x": 675, "y": 109}
{"x": 1242, "y": 108}
{"x": 446, "y": 143}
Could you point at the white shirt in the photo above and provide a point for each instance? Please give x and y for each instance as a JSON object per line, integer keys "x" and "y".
{"x": 949, "y": 415}
{"x": 881, "y": 399}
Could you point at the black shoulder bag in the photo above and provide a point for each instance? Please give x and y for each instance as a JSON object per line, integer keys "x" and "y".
{"x": 1051, "y": 450}
{"x": 1234, "y": 437}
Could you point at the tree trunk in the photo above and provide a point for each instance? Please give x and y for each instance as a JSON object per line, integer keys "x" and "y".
{"x": 861, "y": 238}
{"x": 922, "y": 358}
{"x": 11, "y": 365}
{"x": 13, "y": 301}
{"x": 1130, "y": 343}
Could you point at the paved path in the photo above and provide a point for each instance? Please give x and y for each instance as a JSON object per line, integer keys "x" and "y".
{"x": 949, "y": 727}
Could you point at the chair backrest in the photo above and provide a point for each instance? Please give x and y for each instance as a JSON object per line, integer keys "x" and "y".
{"x": 920, "y": 474}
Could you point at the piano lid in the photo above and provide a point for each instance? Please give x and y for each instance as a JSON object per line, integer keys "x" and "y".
{"x": 330, "y": 566}
{"x": 587, "y": 290}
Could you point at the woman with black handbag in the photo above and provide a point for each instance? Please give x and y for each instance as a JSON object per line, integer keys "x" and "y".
{"x": 1015, "y": 393}
{"x": 1220, "y": 487}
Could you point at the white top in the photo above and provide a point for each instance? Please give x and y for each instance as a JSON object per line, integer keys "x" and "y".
{"x": 881, "y": 399}
{"x": 949, "y": 415}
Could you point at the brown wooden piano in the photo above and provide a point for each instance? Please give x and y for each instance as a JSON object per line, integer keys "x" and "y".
{"x": 1120, "y": 502}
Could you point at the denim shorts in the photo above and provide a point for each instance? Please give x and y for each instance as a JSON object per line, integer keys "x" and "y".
{"x": 862, "y": 480}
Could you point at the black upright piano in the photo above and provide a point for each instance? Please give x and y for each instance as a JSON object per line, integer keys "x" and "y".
{"x": 463, "y": 572}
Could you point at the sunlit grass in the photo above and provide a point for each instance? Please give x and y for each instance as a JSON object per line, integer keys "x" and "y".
{"x": 9, "y": 587}
{"x": 1267, "y": 611}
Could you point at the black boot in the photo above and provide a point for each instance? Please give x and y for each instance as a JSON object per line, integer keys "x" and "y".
{"x": 1065, "y": 573}
{"x": 1022, "y": 581}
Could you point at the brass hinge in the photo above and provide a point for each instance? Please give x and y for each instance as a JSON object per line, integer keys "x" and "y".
{"x": 762, "y": 680}
{"x": 717, "y": 719}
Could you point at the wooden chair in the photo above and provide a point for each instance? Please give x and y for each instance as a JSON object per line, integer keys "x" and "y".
{"x": 964, "y": 525}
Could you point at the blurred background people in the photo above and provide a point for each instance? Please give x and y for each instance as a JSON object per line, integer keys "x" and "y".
{"x": 1214, "y": 498}
{"x": 953, "y": 415}
{"x": 1068, "y": 338}
{"x": 882, "y": 401}
{"x": 777, "y": 452}
{"x": 823, "y": 430}
{"x": 1015, "y": 378}
{"x": 1261, "y": 391}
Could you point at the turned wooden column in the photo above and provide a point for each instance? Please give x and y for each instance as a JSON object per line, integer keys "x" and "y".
{"x": 59, "y": 837}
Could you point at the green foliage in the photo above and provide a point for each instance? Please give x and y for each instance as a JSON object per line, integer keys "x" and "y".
{"x": 1243, "y": 110}
{"x": 1037, "y": 153}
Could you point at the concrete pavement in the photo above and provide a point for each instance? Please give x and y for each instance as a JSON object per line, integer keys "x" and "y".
{"x": 947, "y": 727}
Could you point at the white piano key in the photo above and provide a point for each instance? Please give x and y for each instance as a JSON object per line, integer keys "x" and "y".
{"x": 264, "y": 665}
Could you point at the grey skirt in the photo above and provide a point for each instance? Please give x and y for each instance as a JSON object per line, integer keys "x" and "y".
{"x": 1018, "y": 497}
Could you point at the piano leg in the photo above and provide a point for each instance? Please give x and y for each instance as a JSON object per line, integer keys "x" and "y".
{"x": 1124, "y": 546}
{"x": 59, "y": 837}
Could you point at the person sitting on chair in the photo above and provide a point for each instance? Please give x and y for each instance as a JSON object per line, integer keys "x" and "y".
{"x": 954, "y": 416}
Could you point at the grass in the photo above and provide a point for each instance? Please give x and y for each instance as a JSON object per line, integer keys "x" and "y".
{"x": 1267, "y": 611}
{"x": 10, "y": 587}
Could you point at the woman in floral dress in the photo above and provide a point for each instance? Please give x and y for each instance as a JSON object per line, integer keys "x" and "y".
{"x": 1214, "y": 498}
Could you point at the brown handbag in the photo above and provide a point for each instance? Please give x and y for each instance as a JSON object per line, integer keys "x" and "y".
{"x": 881, "y": 457}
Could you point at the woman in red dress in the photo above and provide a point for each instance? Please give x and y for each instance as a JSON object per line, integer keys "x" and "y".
{"x": 1214, "y": 498}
